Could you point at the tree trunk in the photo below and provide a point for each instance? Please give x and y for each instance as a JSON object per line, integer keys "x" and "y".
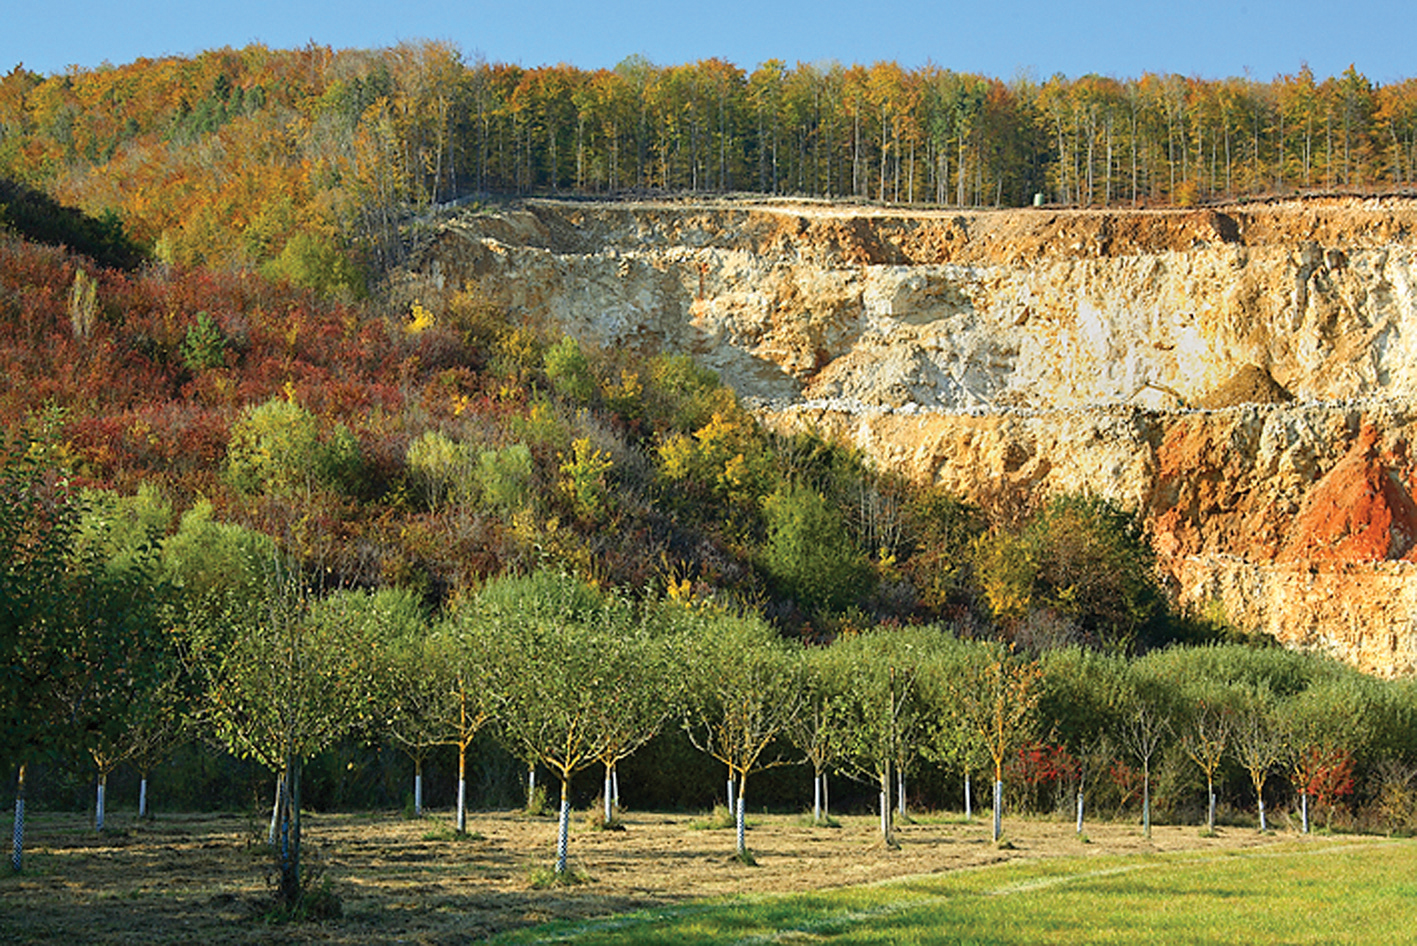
{"x": 740, "y": 824}
{"x": 1210, "y": 807}
{"x": 615, "y": 784}
{"x": 1080, "y": 799}
{"x": 900, "y": 791}
{"x": 817, "y": 798}
{"x": 1304, "y": 810}
{"x": 18, "y": 850}
{"x": 731, "y": 805}
{"x": 143, "y": 796}
{"x": 418, "y": 788}
{"x": 275, "y": 810}
{"x": 290, "y": 835}
{"x": 98, "y": 810}
{"x": 998, "y": 809}
{"x": 609, "y": 793}
{"x": 530, "y": 784}
{"x": 886, "y": 803}
{"x": 1263, "y": 826}
{"x": 968, "y": 801}
{"x": 563, "y": 827}
{"x": 1146, "y": 800}
{"x": 462, "y": 789}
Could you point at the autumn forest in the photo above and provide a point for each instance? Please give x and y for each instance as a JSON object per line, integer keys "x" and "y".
{"x": 226, "y": 157}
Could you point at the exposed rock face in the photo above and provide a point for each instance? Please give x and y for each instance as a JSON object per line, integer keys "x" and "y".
{"x": 1057, "y": 350}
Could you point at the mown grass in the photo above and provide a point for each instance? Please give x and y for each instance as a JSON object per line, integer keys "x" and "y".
{"x": 1329, "y": 891}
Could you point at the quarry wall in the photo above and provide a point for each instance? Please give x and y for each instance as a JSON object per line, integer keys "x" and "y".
{"x": 1245, "y": 376}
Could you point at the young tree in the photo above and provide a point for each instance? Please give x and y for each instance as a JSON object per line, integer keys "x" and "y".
{"x": 997, "y": 698}
{"x": 134, "y": 696}
{"x": 423, "y": 680}
{"x": 82, "y": 640}
{"x": 1324, "y": 731}
{"x": 162, "y": 728}
{"x": 745, "y": 688}
{"x": 39, "y": 518}
{"x": 1205, "y": 737}
{"x": 1258, "y": 738}
{"x": 1143, "y": 728}
{"x": 814, "y": 730}
{"x": 639, "y": 695}
{"x": 565, "y": 677}
{"x": 285, "y": 677}
{"x": 880, "y": 716}
{"x": 1082, "y": 697}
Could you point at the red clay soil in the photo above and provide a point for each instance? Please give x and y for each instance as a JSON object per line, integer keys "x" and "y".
{"x": 1359, "y": 512}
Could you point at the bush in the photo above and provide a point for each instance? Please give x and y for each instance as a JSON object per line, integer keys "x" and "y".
{"x": 1096, "y": 568}
{"x": 1085, "y": 560}
{"x": 316, "y": 263}
{"x": 204, "y": 346}
{"x": 278, "y": 447}
{"x": 569, "y": 371}
{"x": 442, "y": 467}
{"x": 810, "y": 552}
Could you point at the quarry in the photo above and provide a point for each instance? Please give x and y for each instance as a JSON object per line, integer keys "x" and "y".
{"x": 1242, "y": 376}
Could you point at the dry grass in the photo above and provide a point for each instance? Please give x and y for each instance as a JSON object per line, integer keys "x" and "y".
{"x": 195, "y": 878}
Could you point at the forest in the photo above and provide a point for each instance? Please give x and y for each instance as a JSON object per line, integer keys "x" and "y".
{"x": 287, "y": 159}
{"x": 269, "y": 524}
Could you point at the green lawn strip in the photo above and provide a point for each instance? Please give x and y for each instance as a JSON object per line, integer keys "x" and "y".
{"x": 1330, "y": 891}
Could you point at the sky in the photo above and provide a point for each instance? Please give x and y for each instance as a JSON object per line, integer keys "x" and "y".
{"x": 1004, "y": 39}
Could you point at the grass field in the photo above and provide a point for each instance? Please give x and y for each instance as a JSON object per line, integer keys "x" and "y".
{"x": 665, "y": 878}
{"x": 1322, "y": 891}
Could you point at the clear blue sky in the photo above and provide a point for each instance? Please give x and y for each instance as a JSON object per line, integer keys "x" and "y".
{"x": 1000, "y": 38}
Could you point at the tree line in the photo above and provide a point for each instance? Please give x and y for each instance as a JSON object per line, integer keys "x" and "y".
{"x": 130, "y": 643}
{"x": 227, "y": 156}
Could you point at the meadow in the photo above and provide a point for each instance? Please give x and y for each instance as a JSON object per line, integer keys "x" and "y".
{"x": 671, "y": 878}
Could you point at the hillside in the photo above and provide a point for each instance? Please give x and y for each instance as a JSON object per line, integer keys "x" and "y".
{"x": 1015, "y": 352}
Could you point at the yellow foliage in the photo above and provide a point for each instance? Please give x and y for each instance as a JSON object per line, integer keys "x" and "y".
{"x": 624, "y": 397}
{"x": 420, "y": 319}
{"x": 735, "y": 474}
{"x": 1006, "y": 567}
{"x": 584, "y": 479}
{"x": 676, "y": 457}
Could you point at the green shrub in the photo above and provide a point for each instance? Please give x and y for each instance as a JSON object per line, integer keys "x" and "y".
{"x": 811, "y": 554}
{"x": 278, "y": 447}
{"x": 506, "y": 477}
{"x": 441, "y": 467}
{"x": 315, "y": 262}
{"x": 569, "y": 371}
{"x": 204, "y": 346}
